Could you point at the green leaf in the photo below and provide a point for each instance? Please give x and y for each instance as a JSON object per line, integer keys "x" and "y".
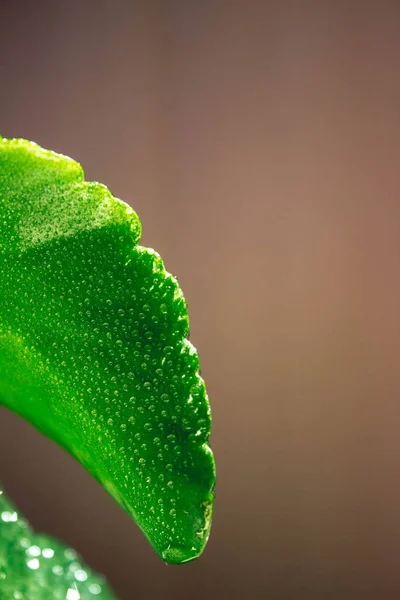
{"x": 93, "y": 347}
{"x": 37, "y": 567}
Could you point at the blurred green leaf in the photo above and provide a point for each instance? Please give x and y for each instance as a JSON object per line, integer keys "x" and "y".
{"x": 37, "y": 567}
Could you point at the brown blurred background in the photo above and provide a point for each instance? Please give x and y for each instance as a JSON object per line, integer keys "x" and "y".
{"x": 259, "y": 143}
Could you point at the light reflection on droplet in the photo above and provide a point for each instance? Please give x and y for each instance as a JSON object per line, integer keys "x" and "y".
{"x": 81, "y": 575}
{"x": 33, "y": 563}
{"x": 33, "y": 551}
{"x": 74, "y": 566}
{"x": 94, "y": 589}
{"x": 58, "y": 570}
{"x": 47, "y": 552}
{"x": 73, "y": 594}
{"x": 70, "y": 554}
{"x": 9, "y": 517}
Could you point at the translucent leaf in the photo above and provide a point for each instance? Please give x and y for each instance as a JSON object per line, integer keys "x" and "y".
{"x": 93, "y": 347}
